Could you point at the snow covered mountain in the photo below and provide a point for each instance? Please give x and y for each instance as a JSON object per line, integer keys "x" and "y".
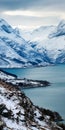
{"x": 42, "y": 46}
{"x": 14, "y": 50}
{"x": 10, "y": 44}
{"x": 49, "y": 41}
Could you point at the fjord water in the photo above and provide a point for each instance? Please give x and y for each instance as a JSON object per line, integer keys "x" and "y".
{"x": 51, "y": 97}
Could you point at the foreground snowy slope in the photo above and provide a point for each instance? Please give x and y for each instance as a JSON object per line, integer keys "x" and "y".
{"x": 43, "y": 46}
{"x": 17, "y": 112}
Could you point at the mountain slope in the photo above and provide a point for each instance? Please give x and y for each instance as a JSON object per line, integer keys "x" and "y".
{"x": 9, "y": 41}
{"x": 15, "y": 51}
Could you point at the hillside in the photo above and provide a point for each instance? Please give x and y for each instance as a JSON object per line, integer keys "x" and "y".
{"x": 17, "y": 112}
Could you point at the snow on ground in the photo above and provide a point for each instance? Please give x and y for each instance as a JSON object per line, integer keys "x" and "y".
{"x": 12, "y": 104}
{"x": 5, "y": 76}
{"x": 17, "y": 122}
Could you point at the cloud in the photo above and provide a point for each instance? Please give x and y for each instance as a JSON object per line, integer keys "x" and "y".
{"x": 23, "y": 13}
{"x": 32, "y": 5}
{"x": 32, "y": 13}
{"x": 31, "y": 22}
{"x": 37, "y": 14}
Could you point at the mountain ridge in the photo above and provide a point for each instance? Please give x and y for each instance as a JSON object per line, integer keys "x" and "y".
{"x": 40, "y": 47}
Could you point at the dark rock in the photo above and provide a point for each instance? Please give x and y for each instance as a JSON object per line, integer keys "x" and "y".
{"x": 54, "y": 116}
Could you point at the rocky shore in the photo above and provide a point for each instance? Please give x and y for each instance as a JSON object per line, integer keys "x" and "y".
{"x": 28, "y": 83}
{"x": 22, "y": 83}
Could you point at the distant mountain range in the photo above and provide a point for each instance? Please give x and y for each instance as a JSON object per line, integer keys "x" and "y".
{"x": 42, "y": 46}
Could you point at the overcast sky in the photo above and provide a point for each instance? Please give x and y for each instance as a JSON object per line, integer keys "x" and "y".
{"x": 32, "y": 13}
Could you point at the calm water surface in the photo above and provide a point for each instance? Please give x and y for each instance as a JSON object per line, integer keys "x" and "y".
{"x": 52, "y": 97}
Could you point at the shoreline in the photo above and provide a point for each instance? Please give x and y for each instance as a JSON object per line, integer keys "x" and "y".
{"x": 33, "y": 66}
{"x": 23, "y": 83}
{"x": 8, "y": 73}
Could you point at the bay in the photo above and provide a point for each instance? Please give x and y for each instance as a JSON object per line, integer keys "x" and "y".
{"x": 52, "y": 97}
